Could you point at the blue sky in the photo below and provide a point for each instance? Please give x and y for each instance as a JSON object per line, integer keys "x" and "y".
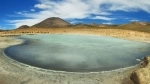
{"x": 14, "y": 13}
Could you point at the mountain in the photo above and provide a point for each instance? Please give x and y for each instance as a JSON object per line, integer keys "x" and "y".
{"x": 136, "y": 26}
{"x": 23, "y": 27}
{"x": 81, "y": 25}
{"x": 52, "y": 22}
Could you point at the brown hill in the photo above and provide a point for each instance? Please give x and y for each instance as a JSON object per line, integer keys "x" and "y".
{"x": 81, "y": 25}
{"x": 23, "y": 27}
{"x": 136, "y": 26}
{"x": 52, "y": 22}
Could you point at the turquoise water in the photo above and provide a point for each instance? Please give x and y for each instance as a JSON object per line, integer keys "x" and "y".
{"x": 77, "y": 53}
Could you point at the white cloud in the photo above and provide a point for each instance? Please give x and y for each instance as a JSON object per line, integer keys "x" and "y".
{"x": 134, "y": 20}
{"x": 75, "y": 21}
{"x": 32, "y": 10}
{"x": 129, "y": 5}
{"x": 41, "y": 6}
{"x": 70, "y": 9}
{"x": 108, "y": 23}
{"x": 29, "y": 22}
{"x": 103, "y": 13}
{"x": 19, "y": 13}
{"x": 103, "y": 18}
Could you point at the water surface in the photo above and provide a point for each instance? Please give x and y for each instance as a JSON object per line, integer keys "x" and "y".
{"x": 77, "y": 53}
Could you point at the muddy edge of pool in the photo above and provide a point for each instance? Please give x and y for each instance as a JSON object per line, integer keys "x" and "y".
{"x": 11, "y": 73}
{"x": 77, "y": 53}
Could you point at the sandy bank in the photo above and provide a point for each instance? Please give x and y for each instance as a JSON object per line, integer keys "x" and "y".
{"x": 142, "y": 75}
{"x": 128, "y": 34}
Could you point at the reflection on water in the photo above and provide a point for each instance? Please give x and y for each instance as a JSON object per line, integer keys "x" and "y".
{"x": 77, "y": 53}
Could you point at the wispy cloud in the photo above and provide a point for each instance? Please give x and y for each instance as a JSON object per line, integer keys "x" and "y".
{"x": 32, "y": 10}
{"x": 79, "y": 9}
{"x": 21, "y": 12}
{"x": 130, "y": 5}
{"x": 103, "y": 18}
{"x": 134, "y": 20}
{"x": 18, "y": 23}
{"x": 41, "y": 6}
{"x": 108, "y": 23}
{"x": 75, "y": 21}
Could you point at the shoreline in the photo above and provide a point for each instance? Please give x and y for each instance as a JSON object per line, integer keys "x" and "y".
{"x": 121, "y": 77}
{"x": 20, "y": 64}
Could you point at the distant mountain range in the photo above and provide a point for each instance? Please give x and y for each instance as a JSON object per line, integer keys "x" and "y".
{"x": 24, "y": 26}
{"x": 55, "y": 22}
{"x": 52, "y": 22}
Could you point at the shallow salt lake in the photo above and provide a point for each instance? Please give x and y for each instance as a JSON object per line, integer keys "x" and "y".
{"x": 77, "y": 53}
